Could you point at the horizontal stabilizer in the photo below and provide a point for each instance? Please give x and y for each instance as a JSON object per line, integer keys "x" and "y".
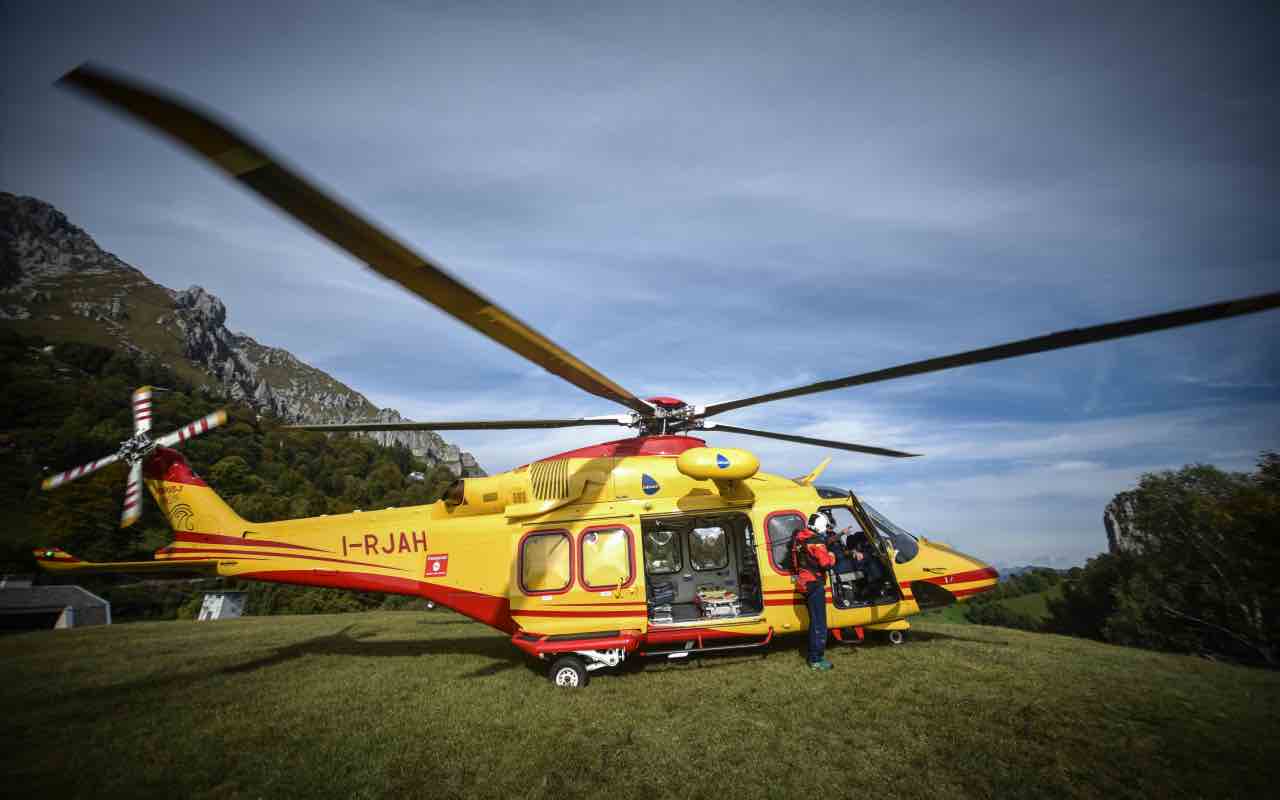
{"x": 52, "y": 559}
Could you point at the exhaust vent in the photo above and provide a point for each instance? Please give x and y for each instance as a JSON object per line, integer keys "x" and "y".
{"x": 550, "y": 479}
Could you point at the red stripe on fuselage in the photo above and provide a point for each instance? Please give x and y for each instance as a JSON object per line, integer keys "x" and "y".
{"x": 215, "y": 538}
{"x": 206, "y": 558}
{"x": 984, "y": 574}
{"x": 278, "y": 555}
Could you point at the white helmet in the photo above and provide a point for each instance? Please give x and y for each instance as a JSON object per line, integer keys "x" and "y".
{"x": 819, "y": 522}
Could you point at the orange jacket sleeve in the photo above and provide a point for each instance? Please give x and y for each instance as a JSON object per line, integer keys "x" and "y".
{"x": 822, "y": 554}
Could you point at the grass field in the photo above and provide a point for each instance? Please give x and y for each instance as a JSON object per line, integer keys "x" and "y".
{"x": 428, "y": 705}
{"x": 1035, "y": 606}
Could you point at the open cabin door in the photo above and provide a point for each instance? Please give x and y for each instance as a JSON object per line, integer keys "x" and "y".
{"x": 863, "y": 574}
{"x": 700, "y": 568}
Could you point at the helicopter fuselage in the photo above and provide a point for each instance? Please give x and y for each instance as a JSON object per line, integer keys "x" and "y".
{"x": 611, "y": 548}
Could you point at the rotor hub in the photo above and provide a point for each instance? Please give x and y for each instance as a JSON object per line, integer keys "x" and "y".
{"x": 670, "y": 415}
{"x": 136, "y": 447}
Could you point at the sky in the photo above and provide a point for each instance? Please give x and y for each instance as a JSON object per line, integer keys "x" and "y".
{"x": 723, "y": 200}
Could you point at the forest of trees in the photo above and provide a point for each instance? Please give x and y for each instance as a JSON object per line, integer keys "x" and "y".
{"x": 1196, "y": 572}
{"x": 66, "y": 404}
{"x": 1193, "y": 570}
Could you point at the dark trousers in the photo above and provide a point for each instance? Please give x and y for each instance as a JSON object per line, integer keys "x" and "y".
{"x": 815, "y": 599}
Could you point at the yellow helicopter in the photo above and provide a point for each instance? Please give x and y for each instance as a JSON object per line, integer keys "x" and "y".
{"x": 654, "y": 545}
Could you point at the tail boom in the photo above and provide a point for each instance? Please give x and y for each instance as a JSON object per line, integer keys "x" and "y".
{"x": 57, "y": 561}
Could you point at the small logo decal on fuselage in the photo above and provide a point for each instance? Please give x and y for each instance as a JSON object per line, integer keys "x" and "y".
{"x": 437, "y": 566}
{"x": 721, "y": 461}
{"x": 648, "y": 484}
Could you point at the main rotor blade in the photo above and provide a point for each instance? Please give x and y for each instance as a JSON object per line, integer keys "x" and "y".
{"x": 787, "y": 437}
{"x": 296, "y": 196}
{"x": 1025, "y": 347}
{"x": 475, "y": 425}
{"x": 54, "y": 481}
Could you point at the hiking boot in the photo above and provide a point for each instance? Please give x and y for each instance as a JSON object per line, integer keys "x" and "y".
{"x": 821, "y": 666}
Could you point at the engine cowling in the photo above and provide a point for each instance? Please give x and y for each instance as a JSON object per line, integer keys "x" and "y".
{"x": 718, "y": 463}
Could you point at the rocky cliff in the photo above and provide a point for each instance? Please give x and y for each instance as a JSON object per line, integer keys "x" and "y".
{"x": 57, "y": 282}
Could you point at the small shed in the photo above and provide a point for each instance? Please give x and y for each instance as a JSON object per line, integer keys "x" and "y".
{"x": 28, "y": 608}
{"x": 222, "y": 605}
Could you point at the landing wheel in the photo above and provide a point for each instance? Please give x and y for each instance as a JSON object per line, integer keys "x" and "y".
{"x": 897, "y": 637}
{"x": 568, "y": 671}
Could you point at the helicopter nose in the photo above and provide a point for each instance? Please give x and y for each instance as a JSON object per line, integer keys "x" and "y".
{"x": 949, "y": 576}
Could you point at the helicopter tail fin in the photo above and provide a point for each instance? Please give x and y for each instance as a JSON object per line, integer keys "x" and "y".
{"x": 189, "y": 504}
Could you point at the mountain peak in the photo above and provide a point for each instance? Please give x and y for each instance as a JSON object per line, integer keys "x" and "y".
{"x": 56, "y": 282}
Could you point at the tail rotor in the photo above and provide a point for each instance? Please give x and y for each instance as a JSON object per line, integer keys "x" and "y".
{"x": 135, "y": 450}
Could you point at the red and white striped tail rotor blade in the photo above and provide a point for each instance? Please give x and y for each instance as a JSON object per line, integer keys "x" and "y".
{"x": 142, "y": 409}
{"x": 54, "y": 481}
{"x": 132, "y": 496}
{"x": 196, "y": 428}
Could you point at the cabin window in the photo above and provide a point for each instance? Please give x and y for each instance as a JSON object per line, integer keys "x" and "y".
{"x": 708, "y": 548}
{"x": 661, "y": 552}
{"x": 778, "y": 530}
{"x": 545, "y": 562}
{"x": 606, "y": 558}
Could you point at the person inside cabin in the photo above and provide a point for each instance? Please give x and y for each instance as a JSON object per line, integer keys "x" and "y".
{"x": 812, "y": 560}
{"x": 868, "y": 561}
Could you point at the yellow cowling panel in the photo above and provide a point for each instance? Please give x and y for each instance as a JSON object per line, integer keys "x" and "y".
{"x": 718, "y": 463}
{"x": 606, "y": 559}
{"x": 545, "y": 562}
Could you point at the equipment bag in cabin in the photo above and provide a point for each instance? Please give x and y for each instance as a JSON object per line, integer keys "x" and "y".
{"x": 663, "y": 593}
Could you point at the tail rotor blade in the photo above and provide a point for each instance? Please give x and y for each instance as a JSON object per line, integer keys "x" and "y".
{"x": 132, "y": 496}
{"x": 142, "y": 409}
{"x": 196, "y": 428}
{"x": 53, "y": 482}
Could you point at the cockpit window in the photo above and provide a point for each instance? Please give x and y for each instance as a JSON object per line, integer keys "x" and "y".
{"x": 903, "y": 542}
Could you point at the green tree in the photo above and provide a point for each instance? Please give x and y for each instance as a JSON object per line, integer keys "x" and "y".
{"x": 232, "y": 475}
{"x": 1196, "y": 572}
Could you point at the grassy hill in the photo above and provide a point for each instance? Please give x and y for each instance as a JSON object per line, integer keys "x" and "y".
{"x": 1035, "y": 605}
{"x": 398, "y": 704}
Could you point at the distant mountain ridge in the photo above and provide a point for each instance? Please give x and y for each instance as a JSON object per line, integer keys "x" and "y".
{"x": 1013, "y": 572}
{"x": 55, "y": 281}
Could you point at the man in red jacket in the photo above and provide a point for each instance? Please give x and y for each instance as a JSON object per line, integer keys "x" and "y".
{"x": 812, "y": 559}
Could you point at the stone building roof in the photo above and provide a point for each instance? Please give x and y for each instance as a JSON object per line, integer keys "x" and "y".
{"x": 47, "y": 598}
